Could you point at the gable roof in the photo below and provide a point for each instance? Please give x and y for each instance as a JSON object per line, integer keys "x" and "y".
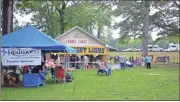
{"x": 76, "y": 27}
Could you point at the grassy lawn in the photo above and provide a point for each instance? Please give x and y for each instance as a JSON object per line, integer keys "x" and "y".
{"x": 159, "y": 83}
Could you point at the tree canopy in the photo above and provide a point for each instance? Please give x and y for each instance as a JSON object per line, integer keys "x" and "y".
{"x": 163, "y": 17}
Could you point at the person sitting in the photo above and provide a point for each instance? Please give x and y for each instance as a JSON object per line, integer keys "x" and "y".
{"x": 129, "y": 64}
{"x": 68, "y": 75}
{"x": 49, "y": 64}
{"x": 60, "y": 72}
{"x": 102, "y": 68}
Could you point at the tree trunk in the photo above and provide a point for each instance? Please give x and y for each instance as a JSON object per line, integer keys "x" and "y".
{"x": 7, "y": 16}
{"x": 61, "y": 13}
{"x": 11, "y": 22}
{"x": 1, "y": 15}
{"x": 0, "y": 37}
{"x": 48, "y": 18}
{"x": 145, "y": 29}
{"x": 90, "y": 29}
{"x": 99, "y": 32}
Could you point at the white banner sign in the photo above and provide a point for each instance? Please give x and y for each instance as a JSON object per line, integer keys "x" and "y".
{"x": 20, "y": 56}
{"x": 76, "y": 42}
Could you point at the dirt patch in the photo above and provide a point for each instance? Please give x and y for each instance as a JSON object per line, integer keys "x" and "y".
{"x": 166, "y": 65}
{"x": 153, "y": 74}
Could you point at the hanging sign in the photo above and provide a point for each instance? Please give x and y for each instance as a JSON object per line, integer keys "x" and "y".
{"x": 76, "y": 42}
{"x": 91, "y": 50}
{"x": 20, "y": 56}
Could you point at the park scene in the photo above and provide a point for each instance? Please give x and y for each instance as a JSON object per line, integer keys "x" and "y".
{"x": 89, "y": 50}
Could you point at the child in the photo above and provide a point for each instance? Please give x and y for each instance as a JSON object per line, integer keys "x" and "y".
{"x": 109, "y": 66}
{"x": 68, "y": 75}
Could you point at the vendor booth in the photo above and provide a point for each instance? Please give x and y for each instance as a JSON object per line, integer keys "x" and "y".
{"x": 27, "y": 47}
{"x": 85, "y": 44}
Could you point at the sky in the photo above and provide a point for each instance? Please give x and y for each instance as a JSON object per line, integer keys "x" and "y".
{"x": 27, "y": 18}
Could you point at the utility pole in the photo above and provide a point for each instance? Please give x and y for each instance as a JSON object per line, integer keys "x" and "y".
{"x": 145, "y": 29}
{"x": 0, "y": 41}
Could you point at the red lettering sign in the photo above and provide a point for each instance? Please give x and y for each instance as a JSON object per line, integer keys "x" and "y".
{"x": 78, "y": 42}
{"x": 82, "y": 41}
{"x": 70, "y": 41}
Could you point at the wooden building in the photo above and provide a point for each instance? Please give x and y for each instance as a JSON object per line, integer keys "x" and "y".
{"x": 85, "y": 43}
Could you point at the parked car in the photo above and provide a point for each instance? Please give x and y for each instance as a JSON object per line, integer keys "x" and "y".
{"x": 150, "y": 47}
{"x": 134, "y": 49}
{"x": 154, "y": 48}
{"x": 173, "y": 47}
{"x": 157, "y": 48}
{"x": 129, "y": 49}
{"x": 166, "y": 49}
{"x": 138, "y": 49}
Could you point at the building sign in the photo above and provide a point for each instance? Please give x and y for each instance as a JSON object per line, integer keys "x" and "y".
{"x": 76, "y": 42}
{"x": 162, "y": 59}
{"x": 91, "y": 50}
{"x": 20, "y": 56}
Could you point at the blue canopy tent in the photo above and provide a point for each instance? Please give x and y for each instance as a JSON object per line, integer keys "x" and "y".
{"x": 31, "y": 37}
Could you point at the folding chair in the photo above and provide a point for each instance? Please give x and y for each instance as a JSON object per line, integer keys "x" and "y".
{"x": 102, "y": 71}
{"x": 60, "y": 74}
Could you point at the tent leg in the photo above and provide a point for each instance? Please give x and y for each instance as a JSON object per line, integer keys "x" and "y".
{"x": 55, "y": 76}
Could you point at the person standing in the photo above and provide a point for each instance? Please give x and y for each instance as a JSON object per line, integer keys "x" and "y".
{"x": 66, "y": 61}
{"x": 122, "y": 61}
{"x": 148, "y": 61}
{"x": 85, "y": 59}
{"x": 142, "y": 61}
{"x": 133, "y": 61}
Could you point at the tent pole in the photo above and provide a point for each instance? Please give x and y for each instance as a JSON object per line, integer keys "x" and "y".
{"x": 64, "y": 59}
{"x": 75, "y": 60}
{"x": 65, "y": 68}
{"x": 75, "y": 74}
{"x": 55, "y": 73}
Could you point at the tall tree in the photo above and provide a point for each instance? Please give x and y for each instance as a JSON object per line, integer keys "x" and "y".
{"x": 44, "y": 14}
{"x": 54, "y": 17}
{"x": 0, "y": 36}
{"x": 103, "y": 15}
{"x": 166, "y": 19}
{"x": 7, "y": 16}
{"x": 1, "y": 5}
{"x": 49, "y": 16}
{"x": 163, "y": 16}
{"x": 145, "y": 29}
{"x": 60, "y": 6}
{"x": 90, "y": 15}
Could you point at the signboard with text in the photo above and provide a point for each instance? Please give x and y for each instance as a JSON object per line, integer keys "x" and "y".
{"x": 91, "y": 50}
{"x": 76, "y": 42}
{"x": 20, "y": 56}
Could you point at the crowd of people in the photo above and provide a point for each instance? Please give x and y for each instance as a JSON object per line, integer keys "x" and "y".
{"x": 72, "y": 60}
{"x": 131, "y": 62}
{"x": 123, "y": 61}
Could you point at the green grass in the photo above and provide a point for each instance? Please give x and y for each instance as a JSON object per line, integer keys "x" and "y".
{"x": 130, "y": 84}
